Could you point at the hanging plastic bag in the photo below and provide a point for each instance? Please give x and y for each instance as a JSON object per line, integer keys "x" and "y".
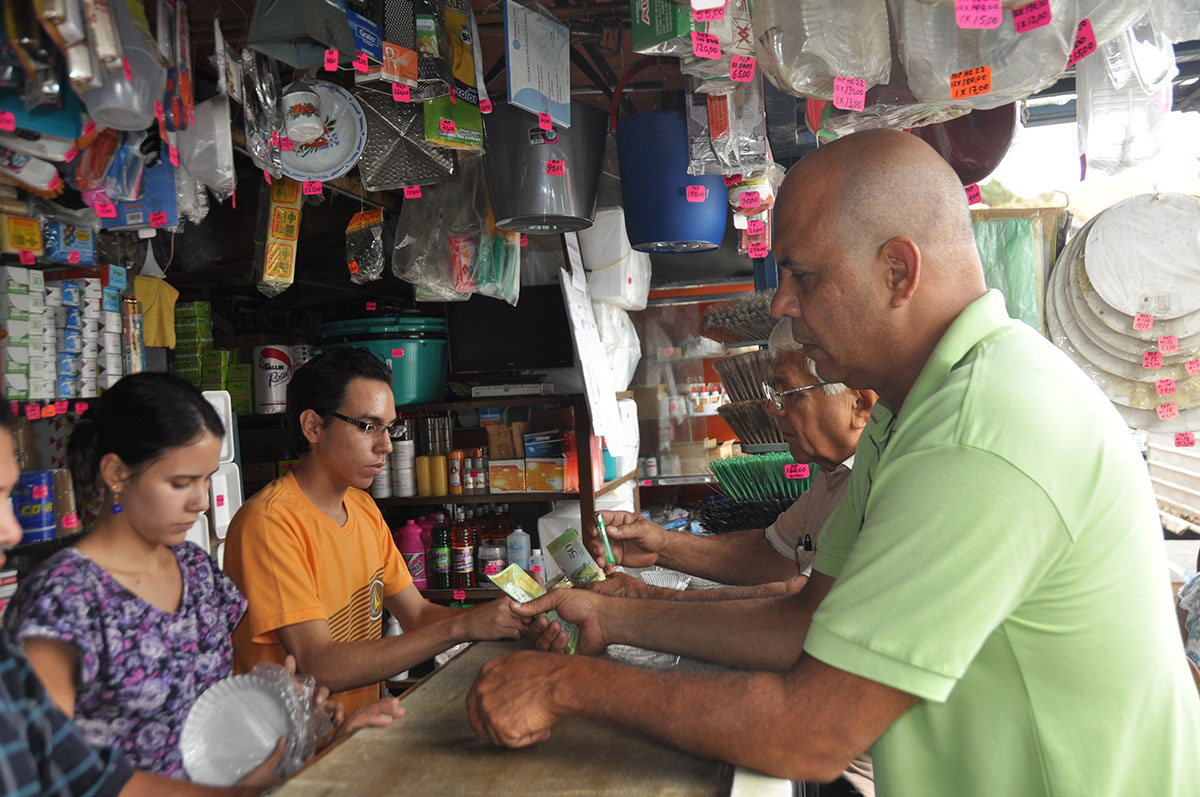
{"x": 364, "y": 246}
{"x": 734, "y": 32}
{"x": 620, "y": 340}
{"x": 421, "y": 256}
{"x": 499, "y": 271}
{"x": 455, "y": 121}
{"x": 727, "y": 133}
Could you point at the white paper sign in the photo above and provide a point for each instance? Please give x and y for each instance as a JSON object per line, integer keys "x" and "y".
{"x": 539, "y": 63}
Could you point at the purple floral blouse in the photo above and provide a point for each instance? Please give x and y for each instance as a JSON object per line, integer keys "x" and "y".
{"x": 140, "y": 668}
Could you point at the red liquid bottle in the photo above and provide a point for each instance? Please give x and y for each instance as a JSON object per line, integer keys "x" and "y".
{"x": 462, "y": 553}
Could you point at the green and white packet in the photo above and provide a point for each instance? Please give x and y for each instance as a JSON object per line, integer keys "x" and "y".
{"x": 573, "y": 558}
{"x": 521, "y": 587}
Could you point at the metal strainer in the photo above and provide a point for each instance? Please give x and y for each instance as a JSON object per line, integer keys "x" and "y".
{"x": 396, "y": 152}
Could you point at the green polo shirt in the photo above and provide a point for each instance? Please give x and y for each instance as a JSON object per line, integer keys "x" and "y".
{"x": 999, "y": 555}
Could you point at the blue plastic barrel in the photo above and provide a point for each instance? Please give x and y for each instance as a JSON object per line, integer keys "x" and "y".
{"x": 653, "y": 149}
{"x": 33, "y": 503}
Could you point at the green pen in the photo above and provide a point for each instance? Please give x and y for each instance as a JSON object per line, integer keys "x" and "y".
{"x": 600, "y": 527}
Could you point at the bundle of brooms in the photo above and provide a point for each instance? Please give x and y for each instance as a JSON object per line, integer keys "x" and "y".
{"x": 741, "y": 320}
{"x": 756, "y": 489}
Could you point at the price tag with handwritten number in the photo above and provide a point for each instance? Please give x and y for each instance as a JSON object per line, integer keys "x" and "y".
{"x": 401, "y": 92}
{"x": 1168, "y": 344}
{"x": 757, "y": 250}
{"x": 447, "y": 126}
{"x": 695, "y": 193}
{"x": 1192, "y": 367}
{"x": 360, "y": 63}
{"x": 1185, "y": 439}
{"x": 312, "y": 187}
{"x": 1152, "y": 360}
{"x": 106, "y": 210}
{"x": 412, "y": 192}
{"x": 741, "y": 68}
{"x": 1168, "y": 411}
{"x": 974, "y": 195}
{"x": 1032, "y": 16}
{"x": 795, "y": 471}
{"x": 978, "y": 14}
{"x": 705, "y": 45}
{"x": 60, "y": 407}
{"x": 1143, "y": 322}
{"x": 556, "y": 168}
{"x": 331, "y": 60}
{"x": 849, "y": 93}
{"x": 1164, "y": 387}
{"x": 971, "y": 82}
{"x": 8, "y": 121}
{"x": 485, "y": 106}
{"x": 460, "y": 595}
{"x": 26, "y": 257}
{"x": 158, "y": 219}
{"x": 1085, "y": 42}
{"x": 749, "y": 199}
{"x": 33, "y": 412}
{"x": 544, "y": 121}
{"x": 756, "y": 227}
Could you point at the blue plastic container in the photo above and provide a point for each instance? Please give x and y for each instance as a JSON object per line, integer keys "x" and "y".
{"x": 414, "y": 347}
{"x": 33, "y": 503}
{"x": 653, "y": 149}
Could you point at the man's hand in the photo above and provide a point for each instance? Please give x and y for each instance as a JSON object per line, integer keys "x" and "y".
{"x": 621, "y": 585}
{"x": 494, "y": 620}
{"x": 373, "y": 715}
{"x": 578, "y": 606}
{"x": 636, "y": 542}
{"x": 512, "y": 700}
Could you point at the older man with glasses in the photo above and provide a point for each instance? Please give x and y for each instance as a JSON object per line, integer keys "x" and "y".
{"x": 314, "y": 557}
{"x": 821, "y": 423}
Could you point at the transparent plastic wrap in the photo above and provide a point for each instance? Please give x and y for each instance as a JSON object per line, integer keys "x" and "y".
{"x": 661, "y": 27}
{"x": 980, "y": 68}
{"x": 277, "y": 231}
{"x": 364, "y": 246}
{"x": 206, "y": 147}
{"x": 499, "y": 272}
{"x": 1179, "y": 20}
{"x": 1008, "y": 251}
{"x": 735, "y": 32}
{"x": 804, "y": 44}
{"x": 190, "y": 197}
{"x": 123, "y": 182}
{"x": 262, "y": 114}
{"x": 309, "y": 724}
{"x": 1110, "y": 17}
{"x": 620, "y": 340}
{"x": 1124, "y": 91}
{"x": 617, "y": 274}
{"x": 727, "y": 133}
{"x": 421, "y": 256}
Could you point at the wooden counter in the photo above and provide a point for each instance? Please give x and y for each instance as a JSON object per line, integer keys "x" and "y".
{"x": 432, "y": 750}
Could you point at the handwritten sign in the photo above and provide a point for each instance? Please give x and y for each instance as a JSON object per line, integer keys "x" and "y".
{"x": 1152, "y": 360}
{"x": 795, "y": 471}
{"x": 971, "y": 82}
{"x": 1085, "y": 42}
{"x": 556, "y": 168}
{"x": 524, "y": 239}
{"x": 1168, "y": 344}
{"x": 447, "y": 126}
{"x": 412, "y": 192}
{"x": 70, "y": 520}
{"x": 705, "y": 45}
{"x": 60, "y": 407}
{"x": 732, "y": 179}
{"x": 331, "y": 60}
{"x": 460, "y": 595}
{"x": 33, "y": 412}
{"x": 49, "y": 411}
{"x": 749, "y": 199}
{"x": 353, "y": 266}
{"x": 1032, "y": 16}
{"x": 741, "y": 68}
{"x": 1168, "y": 411}
{"x": 544, "y": 121}
{"x": 978, "y": 14}
{"x": 106, "y": 210}
{"x": 1185, "y": 439}
{"x": 360, "y": 63}
{"x": 26, "y": 257}
{"x": 756, "y": 227}
{"x": 8, "y": 121}
{"x": 81, "y": 407}
{"x": 158, "y": 219}
{"x": 1192, "y": 367}
{"x": 708, "y": 14}
{"x": 1164, "y": 387}
{"x": 1143, "y": 322}
{"x": 849, "y": 93}
{"x": 974, "y": 195}
{"x": 401, "y": 92}
{"x": 485, "y": 106}
{"x": 397, "y": 353}
{"x": 757, "y": 249}
{"x": 695, "y": 193}
{"x": 311, "y": 187}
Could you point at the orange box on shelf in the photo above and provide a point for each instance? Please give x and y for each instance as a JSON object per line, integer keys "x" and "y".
{"x": 547, "y": 475}
{"x": 506, "y": 475}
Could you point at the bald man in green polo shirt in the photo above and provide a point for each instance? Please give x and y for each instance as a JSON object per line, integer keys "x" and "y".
{"x": 989, "y": 609}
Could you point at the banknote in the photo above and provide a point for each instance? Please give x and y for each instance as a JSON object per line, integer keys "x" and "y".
{"x": 573, "y": 558}
{"x": 520, "y": 586}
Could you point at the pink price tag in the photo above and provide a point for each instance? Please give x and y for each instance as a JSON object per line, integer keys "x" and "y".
{"x": 55, "y": 182}
{"x": 756, "y": 227}
{"x": 978, "y": 14}
{"x": 1164, "y": 387}
{"x": 1185, "y": 439}
{"x": 1167, "y": 411}
{"x": 60, "y": 407}
{"x": 312, "y": 187}
{"x": 370, "y": 305}
{"x": 73, "y": 258}
{"x": 220, "y": 500}
{"x": 397, "y": 353}
{"x": 267, "y": 177}
{"x": 401, "y": 92}
{"x": 1143, "y": 322}
{"x": 795, "y": 471}
{"x": 1152, "y": 360}
{"x": 695, "y": 193}
{"x": 172, "y": 154}
{"x": 1085, "y": 42}
{"x": 460, "y": 595}
{"x": 485, "y": 106}
{"x": 49, "y": 411}
{"x": 8, "y": 121}
{"x": 26, "y": 257}
{"x": 125, "y": 68}
{"x": 360, "y": 63}
{"x": 709, "y": 14}
{"x": 81, "y": 407}
{"x": 1192, "y": 367}
{"x": 158, "y": 219}
{"x": 70, "y": 520}
{"x": 749, "y": 199}
{"x": 40, "y": 491}
{"x": 974, "y": 196}
{"x": 158, "y": 110}
{"x": 454, "y": 98}
{"x": 741, "y": 68}
{"x": 412, "y": 192}
{"x": 447, "y": 126}
{"x": 705, "y": 45}
{"x": 106, "y": 210}
{"x": 524, "y": 239}
{"x": 274, "y": 139}
{"x": 849, "y": 93}
{"x": 1032, "y": 16}
{"x": 14, "y": 409}
{"x": 647, "y": 482}
{"x": 544, "y": 121}
{"x": 536, "y": 568}
{"x": 33, "y": 412}
{"x": 1168, "y": 344}
{"x": 556, "y": 168}
{"x": 331, "y": 60}
{"x": 732, "y": 179}
{"x": 757, "y": 250}
{"x": 71, "y": 154}
{"x": 286, "y": 144}
{"x": 492, "y": 568}
{"x": 353, "y": 266}
{"x": 89, "y": 128}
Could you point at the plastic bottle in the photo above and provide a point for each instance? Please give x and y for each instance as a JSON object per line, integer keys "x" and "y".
{"x": 413, "y": 552}
{"x": 426, "y": 524}
{"x": 462, "y": 565}
{"x": 439, "y": 568}
{"x": 518, "y": 548}
{"x": 537, "y": 565}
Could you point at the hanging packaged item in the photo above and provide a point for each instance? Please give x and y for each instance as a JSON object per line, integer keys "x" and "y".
{"x": 364, "y": 246}
{"x": 433, "y": 51}
{"x": 661, "y": 27}
{"x": 278, "y": 231}
{"x": 499, "y": 271}
{"x": 617, "y": 274}
{"x": 454, "y": 120}
{"x": 538, "y": 61}
{"x": 727, "y": 133}
{"x": 734, "y": 36}
{"x": 421, "y": 256}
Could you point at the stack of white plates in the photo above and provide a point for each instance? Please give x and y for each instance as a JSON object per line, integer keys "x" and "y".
{"x": 1137, "y": 262}
{"x": 232, "y": 728}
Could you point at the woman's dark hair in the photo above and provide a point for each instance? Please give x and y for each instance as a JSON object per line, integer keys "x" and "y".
{"x": 320, "y": 385}
{"x": 6, "y": 421}
{"x": 138, "y": 419}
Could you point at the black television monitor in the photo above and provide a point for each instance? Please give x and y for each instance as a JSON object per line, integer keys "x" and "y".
{"x": 489, "y": 335}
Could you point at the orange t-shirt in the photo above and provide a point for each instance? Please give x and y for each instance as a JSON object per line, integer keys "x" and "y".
{"x": 294, "y": 564}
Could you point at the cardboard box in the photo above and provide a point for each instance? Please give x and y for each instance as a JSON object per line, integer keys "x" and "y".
{"x": 37, "y": 325}
{"x": 18, "y": 332}
{"x": 37, "y": 281}
{"x": 14, "y": 386}
{"x": 91, "y": 347}
{"x": 110, "y": 363}
{"x": 546, "y": 475}
{"x": 192, "y": 310}
{"x": 41, "y": 388}
{"x": 14, "y": 307}
{"x": 544, "y": 444}
{"x": 63, "y": 240}
{"x": 72, "y": 293}
{"x": 39, "y": 366}
{"x": 506, "y": 440}
{"x": 19, "y": 234}
{"x": 506, "y": 475}
{"x": 16, "y": 360}
{"x": 14, "y": 279}
{"x": 53, "y": 295}
{"x": 70, "y": 341}
{"x": 67, "y": 365}
{"x": 115, "y": 276}
{"x": 37, "y": 302}
{"x": 648, "y": 400}
{"x": 68, "y": 318}
{"x": 66, "y": 388}
{"x": 111, "y": 322}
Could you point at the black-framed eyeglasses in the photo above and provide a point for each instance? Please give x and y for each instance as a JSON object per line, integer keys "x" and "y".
{"x": 776, "y": 396}
{"x": 395, "y": 431}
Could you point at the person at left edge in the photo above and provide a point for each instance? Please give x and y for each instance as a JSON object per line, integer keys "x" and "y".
{"x": 313, "y": 555}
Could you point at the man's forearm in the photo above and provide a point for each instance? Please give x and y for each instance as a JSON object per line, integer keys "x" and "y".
{"x": 739, "y": 557}
{"x": 772, "y": 589}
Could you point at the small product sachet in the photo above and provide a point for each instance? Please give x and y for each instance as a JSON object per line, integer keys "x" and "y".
{"x": 520, "y": 586}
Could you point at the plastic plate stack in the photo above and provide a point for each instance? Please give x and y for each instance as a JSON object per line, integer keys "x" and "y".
{"x": 1124, "y": 303}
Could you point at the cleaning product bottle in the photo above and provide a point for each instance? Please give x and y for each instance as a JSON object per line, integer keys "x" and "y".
{"x": 537, "y": 566}
{"x": 518, "y": 548}
{"x": 439, "y": 567}
{"x": 413, "y": 552}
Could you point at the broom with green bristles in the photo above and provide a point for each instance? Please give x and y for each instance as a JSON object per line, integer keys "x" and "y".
{"x": 757, "y": 489}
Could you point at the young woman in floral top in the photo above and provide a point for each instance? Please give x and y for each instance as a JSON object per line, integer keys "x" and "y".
{"x": 129, "y": 627}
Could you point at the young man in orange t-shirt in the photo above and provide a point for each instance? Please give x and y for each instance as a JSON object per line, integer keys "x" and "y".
{"x": 313, "y": 556}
